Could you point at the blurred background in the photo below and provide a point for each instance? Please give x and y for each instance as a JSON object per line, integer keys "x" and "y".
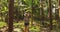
{"x": 42, "y": 15}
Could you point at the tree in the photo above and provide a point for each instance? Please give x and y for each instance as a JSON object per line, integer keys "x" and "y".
{"x": 11, "y": 9}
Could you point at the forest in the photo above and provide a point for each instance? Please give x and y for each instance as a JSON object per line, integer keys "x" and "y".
{"x": 30, "y": 15}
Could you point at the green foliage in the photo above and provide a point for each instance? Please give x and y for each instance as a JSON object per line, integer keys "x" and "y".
{"x": 22, "y": 6}
{"x": 34, "y": 28}
{"x": 2, "y": 24}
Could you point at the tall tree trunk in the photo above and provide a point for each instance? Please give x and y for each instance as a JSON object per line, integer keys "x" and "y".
{"x": 59, "y": 7}
{"x": 11, "y": 9}
{"x": 59, "y": 12}
{"x": 50, "y": 15}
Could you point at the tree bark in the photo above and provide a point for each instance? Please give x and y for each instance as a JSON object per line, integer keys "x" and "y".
{"x": 11, "y": 9}
{"x": 50, "y": 15}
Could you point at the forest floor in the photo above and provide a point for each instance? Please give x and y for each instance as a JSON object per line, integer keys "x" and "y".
{"x": 19, "y": 27}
